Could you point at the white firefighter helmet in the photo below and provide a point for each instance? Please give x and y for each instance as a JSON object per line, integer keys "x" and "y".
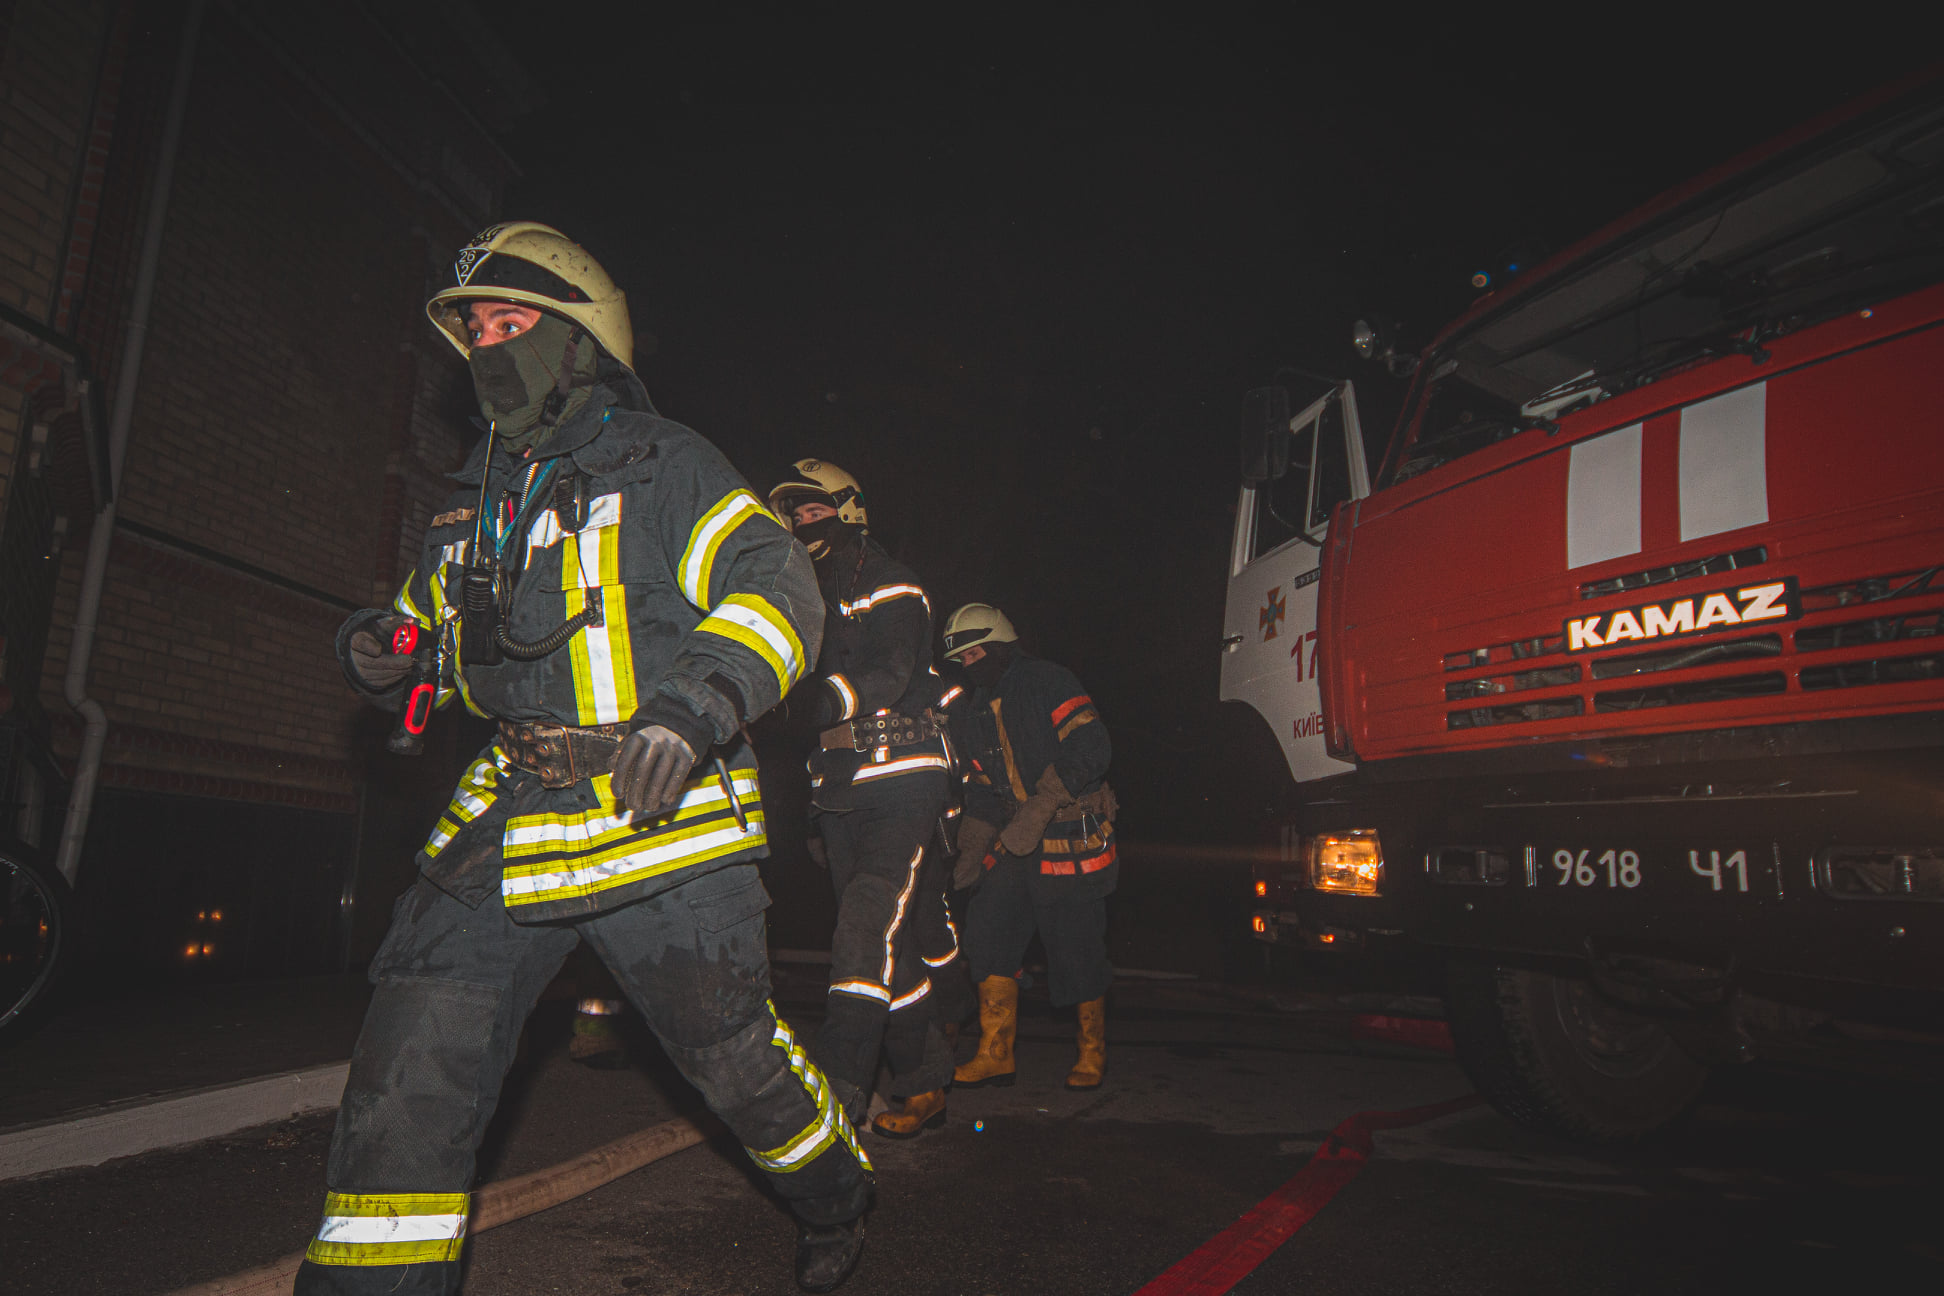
{"x": 813, "y": 481}
{"x": 976, "y": 624}
{"x": 533, "y": 265}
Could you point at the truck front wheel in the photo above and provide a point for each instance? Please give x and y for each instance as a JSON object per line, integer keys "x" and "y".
{"x": 1554, "y": 1053}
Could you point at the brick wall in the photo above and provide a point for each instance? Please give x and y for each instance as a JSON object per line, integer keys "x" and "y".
{"x": 49, "y": 51}
{"x": 294, "y": 417}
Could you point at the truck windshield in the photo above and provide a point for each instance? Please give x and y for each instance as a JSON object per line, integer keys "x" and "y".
{"x": 1831, "y": 226}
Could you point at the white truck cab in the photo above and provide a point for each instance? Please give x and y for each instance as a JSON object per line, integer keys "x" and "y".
{"x": 1296, "y": 468}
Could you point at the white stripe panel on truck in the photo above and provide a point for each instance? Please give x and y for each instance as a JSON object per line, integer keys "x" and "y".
{"x": 1603, "y": 497}
{"x": 1724, "y": 463}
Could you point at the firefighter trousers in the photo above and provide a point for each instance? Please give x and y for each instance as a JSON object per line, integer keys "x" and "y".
{"x": 889, "y": 876}
{"x": 1070, "y": 914}
{"x": 455, "y": 986}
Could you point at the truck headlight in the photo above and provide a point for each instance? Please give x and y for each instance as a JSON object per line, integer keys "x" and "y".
{"x": 1350, "y": 862}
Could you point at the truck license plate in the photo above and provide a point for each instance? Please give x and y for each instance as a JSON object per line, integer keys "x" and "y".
{"x": 1617, "y": 868}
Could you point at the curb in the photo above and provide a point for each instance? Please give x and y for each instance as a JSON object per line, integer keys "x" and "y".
{"x": 146, "y": 1124}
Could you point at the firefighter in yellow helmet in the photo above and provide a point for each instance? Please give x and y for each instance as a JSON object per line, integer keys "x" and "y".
{"x": 1037, "y": 839}
{"x": 879, "y": 777}
{"x": 606, "y": 586}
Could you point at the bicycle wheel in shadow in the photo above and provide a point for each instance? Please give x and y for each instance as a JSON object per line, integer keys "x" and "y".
{"x": 36, "y": 934}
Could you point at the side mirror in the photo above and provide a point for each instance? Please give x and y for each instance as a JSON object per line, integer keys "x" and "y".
{"x": 1265, "y": 435}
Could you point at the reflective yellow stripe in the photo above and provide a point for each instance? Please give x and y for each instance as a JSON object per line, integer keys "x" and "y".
{"x": 566, "y": 856}
{"x": 586, "y": 830}
{"x": 830, "y": 1126}
{"x": 478, "y": 789}
{"x": 389, "y": 1229}
{"x": 1084, "y": 717}
{"x": 756, "y": 625}
{"x": 602, "y": 656}
{"x": 404, "y": 606}
{"x": 906, "y": 1000}
{"x": 697, "y": 567}
{"x": 1005, "y": 749}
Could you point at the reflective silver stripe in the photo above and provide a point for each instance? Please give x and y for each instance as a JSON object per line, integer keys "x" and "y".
{"x": 883, "y": 594}
{"x": 905, "y": 1001}
{"x": 369, "y": 1229}
{"x": 847, "y": 693}
{"x": 897, "y": 915}
{"x": 1603, "y": 497}
{"x": 863, "y": 989}
{"x": 611, "y": 872}
{"x": 1724, "y": 463}
{"x": 903, "y": 765}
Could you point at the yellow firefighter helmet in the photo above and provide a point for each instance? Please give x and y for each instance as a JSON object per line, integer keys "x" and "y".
{"x": 534, "y": 265}
{"x": 813, "y": 481}
{"x": 976, "y": 624}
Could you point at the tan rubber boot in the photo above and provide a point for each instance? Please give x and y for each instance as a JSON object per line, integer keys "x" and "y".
{"x": 917, "y": 1114}
{"x": 998, "y": 1023}
{"x": 1092, "y": 1065}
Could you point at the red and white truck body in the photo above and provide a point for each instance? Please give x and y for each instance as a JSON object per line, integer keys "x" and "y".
{"x": 1631, "y": 663}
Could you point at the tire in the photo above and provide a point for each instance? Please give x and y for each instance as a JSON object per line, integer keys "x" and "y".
{"x": 37, "y": 936}
{"x": 1553, "y": 1053}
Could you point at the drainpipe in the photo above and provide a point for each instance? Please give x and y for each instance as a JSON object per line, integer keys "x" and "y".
{"x": 94, "y": 736}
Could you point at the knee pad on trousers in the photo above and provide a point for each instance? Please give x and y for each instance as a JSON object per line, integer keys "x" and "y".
{"x": 413, "y": 1106}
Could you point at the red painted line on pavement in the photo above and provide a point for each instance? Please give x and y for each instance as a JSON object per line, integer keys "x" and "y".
{"x": 1233, "y": 1254}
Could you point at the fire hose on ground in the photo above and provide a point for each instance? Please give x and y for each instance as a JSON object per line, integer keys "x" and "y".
{"x": 502, "y": 1203}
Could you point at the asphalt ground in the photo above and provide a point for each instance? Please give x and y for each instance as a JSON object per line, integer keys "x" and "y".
{"x": 1785, "y": 1179}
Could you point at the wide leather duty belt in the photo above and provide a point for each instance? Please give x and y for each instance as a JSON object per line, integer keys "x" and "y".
{"x": 870, "y": 731}
{"x": 562, "y": 755}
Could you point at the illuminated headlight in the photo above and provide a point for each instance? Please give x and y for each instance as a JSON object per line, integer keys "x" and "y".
{"x": 1349, "y": 862}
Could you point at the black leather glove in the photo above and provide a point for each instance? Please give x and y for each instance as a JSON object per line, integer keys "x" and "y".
{"x": 650, "y": 768}
{"x": 377, "y": 665}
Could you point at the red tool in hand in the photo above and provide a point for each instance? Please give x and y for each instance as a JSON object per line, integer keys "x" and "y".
{"x": 421, "y": 689}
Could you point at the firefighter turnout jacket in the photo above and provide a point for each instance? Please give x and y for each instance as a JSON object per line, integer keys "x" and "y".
{"x": 708, "y": 612}
{"x": 875, "y": 670}
{"x": 1039, "y": 720}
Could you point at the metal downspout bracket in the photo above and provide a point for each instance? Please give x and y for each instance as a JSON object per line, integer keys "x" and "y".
{"x": 94, "y": 736}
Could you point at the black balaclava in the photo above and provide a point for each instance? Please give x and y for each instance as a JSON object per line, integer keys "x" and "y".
{"x": 517, "y": 380}
{"x": 986, "y": 672}
{"x": 828, "y": 537}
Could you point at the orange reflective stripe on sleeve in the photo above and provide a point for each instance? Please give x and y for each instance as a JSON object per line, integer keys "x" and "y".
{"x": 1069, "y": 706}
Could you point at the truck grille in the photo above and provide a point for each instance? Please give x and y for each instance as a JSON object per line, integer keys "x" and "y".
{"x": 1541, "y": 664}
{"x": 1679, "y": 571}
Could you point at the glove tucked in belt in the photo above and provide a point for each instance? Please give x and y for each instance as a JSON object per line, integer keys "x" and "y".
{"x": 866, "y": 732}
{"x": 562, "y": 755}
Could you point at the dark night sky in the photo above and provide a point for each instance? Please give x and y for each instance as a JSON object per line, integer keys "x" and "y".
{"x": 1016, "y": 274}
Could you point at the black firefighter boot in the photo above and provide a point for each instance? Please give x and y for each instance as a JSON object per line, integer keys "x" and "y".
{"x": 826, "y": 1253}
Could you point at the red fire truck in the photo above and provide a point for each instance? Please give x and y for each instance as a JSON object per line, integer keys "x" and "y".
{"x": 1616, "y": 693}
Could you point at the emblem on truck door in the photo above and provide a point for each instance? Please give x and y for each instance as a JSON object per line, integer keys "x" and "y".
{"x": 1697, "y": 614}
{"x": 1271, "y": 614}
